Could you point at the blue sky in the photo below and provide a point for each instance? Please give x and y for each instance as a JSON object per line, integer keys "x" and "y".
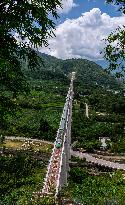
{"x": 85, "y": 5}
{"x": 82, "y": 26}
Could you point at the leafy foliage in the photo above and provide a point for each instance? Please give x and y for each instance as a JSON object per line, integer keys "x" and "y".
{"x": 95, "y": 189}
{"x": 107, "y": 102}
{"x": 106, "y": 119}
{"x": 120, "y": 3}
{"x": 20, "y": 176}
{"x": 114, "y": 51}
{"x": 34, "y": 111}
{"x": 23, "y": 24}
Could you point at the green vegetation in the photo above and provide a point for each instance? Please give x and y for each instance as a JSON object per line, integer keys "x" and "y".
{"x": 88, "y": 131}
{"x": 114, "y": 51}
{"x": 106, "y": 117}
{"x": 23, "y": 25}
{"x": 115, "y": 55}
{"x": 20, "y": 176}
{"x": 89, "y": 189}
{"x": 31, "y": 103}
{"x": 119, "y": 3}
{"x": 38, "y": 113}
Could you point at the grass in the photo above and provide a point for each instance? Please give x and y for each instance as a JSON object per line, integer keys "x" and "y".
{"x": 14, "y": 144}
{"x": 35, "y": 146}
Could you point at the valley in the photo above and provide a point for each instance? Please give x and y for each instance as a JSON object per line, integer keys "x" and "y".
{"x": 36, "y": 115}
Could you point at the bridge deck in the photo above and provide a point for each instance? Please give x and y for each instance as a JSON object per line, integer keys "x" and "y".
{"x": 52, "y": 178}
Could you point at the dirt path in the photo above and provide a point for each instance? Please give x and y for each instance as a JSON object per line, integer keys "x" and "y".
{"x": 27, "y": 139}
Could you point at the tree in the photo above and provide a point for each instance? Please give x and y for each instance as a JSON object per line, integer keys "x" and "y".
{"x": 2, "y": 138}
{"x": 23, "y": 25}
{"x": 120, "y": 3}
{"x": 114, "y": 51}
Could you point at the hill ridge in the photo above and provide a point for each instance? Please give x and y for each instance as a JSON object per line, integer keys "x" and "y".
{"x": 87, "y": 72}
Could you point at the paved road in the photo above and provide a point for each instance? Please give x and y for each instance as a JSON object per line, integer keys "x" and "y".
{"x": 27, "y": 139}
{"x": 102, "y": 162}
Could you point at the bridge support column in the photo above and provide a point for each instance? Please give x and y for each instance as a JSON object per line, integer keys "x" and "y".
{"x": 63, "y": 174}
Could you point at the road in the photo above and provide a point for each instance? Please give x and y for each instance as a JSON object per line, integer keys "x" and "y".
{"x": 102, "y": 162}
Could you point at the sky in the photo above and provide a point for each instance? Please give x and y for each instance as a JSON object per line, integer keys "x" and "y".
{"x": 81, "y": 28}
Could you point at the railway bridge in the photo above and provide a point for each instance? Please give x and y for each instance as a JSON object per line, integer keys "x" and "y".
{"x": 58, "y": 167}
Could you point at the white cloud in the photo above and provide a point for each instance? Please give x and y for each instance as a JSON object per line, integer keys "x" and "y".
{"x": 82, "y": 37}
{"x": 67, "y": 5}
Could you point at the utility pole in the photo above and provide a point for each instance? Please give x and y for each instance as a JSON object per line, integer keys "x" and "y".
{"x": 87, "y": 110}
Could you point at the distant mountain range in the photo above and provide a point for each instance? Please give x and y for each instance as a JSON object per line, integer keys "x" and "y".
{"x": 102, "y": 63}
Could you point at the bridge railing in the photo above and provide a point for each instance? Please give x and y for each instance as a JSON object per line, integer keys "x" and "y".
{"x": 63, "y": 165}
{"x": 49, "y": 167}
{"x": 60, "y": 169}
{"x": 61, "y": 127}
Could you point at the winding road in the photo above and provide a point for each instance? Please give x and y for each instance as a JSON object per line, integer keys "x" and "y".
{"x": 102, "y": 162}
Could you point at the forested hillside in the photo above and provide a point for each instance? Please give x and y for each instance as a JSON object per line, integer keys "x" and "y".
{"x": 87, "y": 72}
{"x": 27, "y": 114}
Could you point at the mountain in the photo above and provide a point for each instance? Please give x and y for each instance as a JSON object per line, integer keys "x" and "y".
{"x": 87, "y": 72}
{"x": 103, "y": 63}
